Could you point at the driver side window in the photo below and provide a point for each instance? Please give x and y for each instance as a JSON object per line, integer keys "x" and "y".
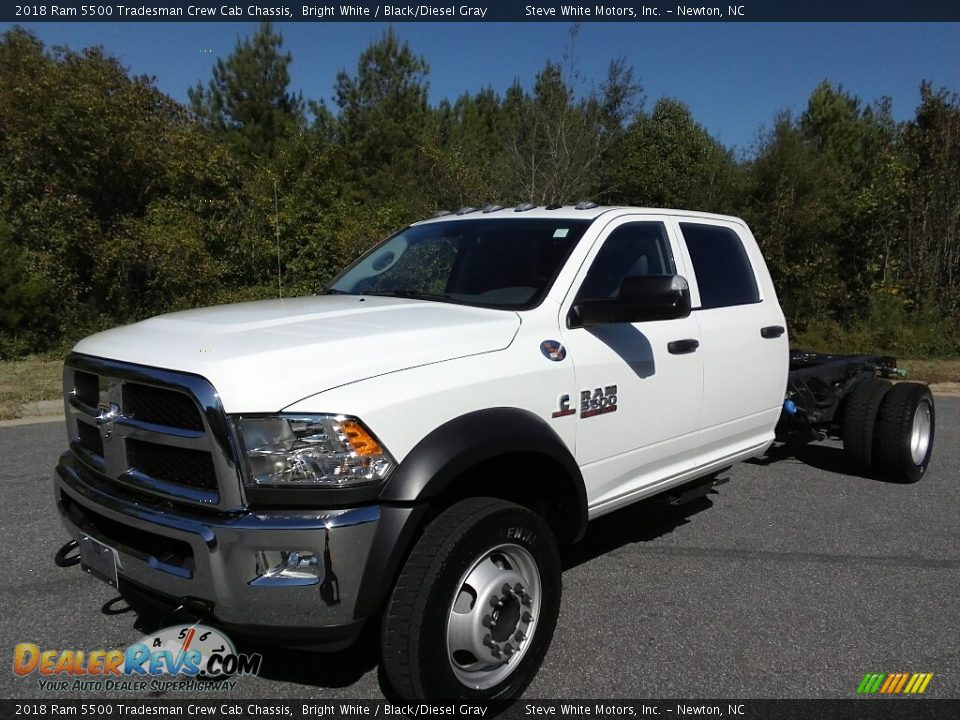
{"x": 632, "y": 250}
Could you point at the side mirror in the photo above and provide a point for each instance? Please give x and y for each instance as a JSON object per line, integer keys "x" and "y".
{"x": 642, "y": 298}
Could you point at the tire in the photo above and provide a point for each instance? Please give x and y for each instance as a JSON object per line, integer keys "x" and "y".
{"x": 860, "y": 421}
{"x": 443, "y": 635}
{"x": 905, "y": 432}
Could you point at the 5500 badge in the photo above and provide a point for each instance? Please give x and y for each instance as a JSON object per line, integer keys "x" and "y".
{"x": 191, "y": 651}
{"x": 598, "y": 401}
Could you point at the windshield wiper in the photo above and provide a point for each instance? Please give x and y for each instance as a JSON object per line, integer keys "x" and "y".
{"x": 334, "y": 291}
{"x": 414, "y": 294}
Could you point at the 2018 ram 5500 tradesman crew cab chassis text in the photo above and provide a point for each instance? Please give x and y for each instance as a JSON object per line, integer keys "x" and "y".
{"x": 409, "y": 447}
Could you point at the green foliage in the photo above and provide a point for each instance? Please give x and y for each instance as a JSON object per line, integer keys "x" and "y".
{"x": 667, "y": 159}
{"x": 826, "y": 205}
{"x": 156, "y": 261}
{"x": 931, "y": 148}
{"x": 467, "y": 154}
{"x": 889, "y": 328}
{"x": 558, "y": 141}
{"x": 117, "y": 202}
{"x": 547, "y": 145}
{"x": 383, "y": 121}
{"x": 83, "y": 144}
{"x": 247, "y": 101}
{"x": 26, "y": 301}
{"x": 85, "y": 150}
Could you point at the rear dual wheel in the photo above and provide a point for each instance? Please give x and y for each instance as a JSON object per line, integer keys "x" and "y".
{"x": 860, "y": 421}
{"x": 905, "y": 431}
{"x": 888, "y": 429}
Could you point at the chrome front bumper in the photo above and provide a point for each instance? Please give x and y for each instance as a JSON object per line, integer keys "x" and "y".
{"x": 216, "y": 560}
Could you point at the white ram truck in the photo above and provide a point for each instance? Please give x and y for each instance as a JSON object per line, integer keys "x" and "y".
{"x": 411, "y": 446}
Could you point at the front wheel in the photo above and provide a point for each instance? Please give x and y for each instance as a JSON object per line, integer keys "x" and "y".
{"x": 474, "y": 609}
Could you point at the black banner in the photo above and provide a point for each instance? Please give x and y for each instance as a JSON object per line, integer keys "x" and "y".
{"x": 854, "y": 709}
{"x": 492, "y": 11}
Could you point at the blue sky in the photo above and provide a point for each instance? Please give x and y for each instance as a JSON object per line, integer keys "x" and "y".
{"x": 734, "y": 76}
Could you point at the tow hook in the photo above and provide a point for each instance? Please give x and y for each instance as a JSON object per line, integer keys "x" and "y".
{"x": 63, "y": 558}
{"x": 192, "y": 609}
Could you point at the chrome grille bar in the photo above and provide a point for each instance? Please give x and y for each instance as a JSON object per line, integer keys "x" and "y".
{"x": 117, "y": 429}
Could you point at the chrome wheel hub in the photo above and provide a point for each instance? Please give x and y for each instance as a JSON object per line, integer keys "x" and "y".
{"x": 920, "y": 435}
{"x": 493, "y": 615}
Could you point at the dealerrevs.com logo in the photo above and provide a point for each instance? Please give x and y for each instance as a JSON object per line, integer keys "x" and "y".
{"x": 181, "y": 657}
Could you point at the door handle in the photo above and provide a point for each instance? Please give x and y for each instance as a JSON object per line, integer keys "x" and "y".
{"x": 772, "y": 331}
{"x": 682, "y": 347}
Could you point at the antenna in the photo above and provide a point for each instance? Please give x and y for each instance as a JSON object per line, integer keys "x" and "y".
{"x": 276, "y": 227}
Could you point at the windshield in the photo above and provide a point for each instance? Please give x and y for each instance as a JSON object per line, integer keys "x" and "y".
{"x": 504, "y": 263}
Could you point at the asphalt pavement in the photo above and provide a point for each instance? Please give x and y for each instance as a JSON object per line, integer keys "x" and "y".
{"x": 792, "y": 580}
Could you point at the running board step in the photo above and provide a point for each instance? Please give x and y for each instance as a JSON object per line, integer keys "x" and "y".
{"x": 692, "y": 491}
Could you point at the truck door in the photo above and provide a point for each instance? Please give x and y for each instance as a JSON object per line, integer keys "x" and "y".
{"x": 743, "y": 337}
{"x": 639, "y": 385}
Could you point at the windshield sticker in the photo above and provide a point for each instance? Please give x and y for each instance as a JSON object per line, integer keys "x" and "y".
{"x": 560, "y": 232}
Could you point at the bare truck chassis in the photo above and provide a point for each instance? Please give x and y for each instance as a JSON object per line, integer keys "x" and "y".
{"x": 852, "y": 398}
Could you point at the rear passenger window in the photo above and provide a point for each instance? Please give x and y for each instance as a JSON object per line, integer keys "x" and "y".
{"x": 724, "y": 273}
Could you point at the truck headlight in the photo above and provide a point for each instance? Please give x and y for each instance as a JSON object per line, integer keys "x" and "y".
{"x": 317, "y": 451}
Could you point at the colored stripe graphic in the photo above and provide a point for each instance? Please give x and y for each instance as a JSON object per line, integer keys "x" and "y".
{"x": 894, "y": 683}
{"x": 918, "y": 683}
{"x": 903, "y": 680}
{"x": 890, "y": 682}
{"x": 870, "y": 683}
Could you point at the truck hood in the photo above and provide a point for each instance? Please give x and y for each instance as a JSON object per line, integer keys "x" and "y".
{"x": 263, "y": 356}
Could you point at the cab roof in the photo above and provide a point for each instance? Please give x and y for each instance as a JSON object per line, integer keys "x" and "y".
{"x": 568, "y": 212}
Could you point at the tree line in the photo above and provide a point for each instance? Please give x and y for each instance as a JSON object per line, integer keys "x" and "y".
{"x": 118, "y": 202}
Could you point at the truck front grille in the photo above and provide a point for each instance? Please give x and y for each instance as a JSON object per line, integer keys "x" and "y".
{"x": 89, "y": 438}
{"x": 178, "y": 466}
{"x": 87, "y": 387}
{"x": 151, "y": 431}
{"x": 160, "y": 407}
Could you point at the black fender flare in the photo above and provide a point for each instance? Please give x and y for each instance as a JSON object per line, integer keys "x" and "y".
{"x": 470, "y": 439}
{"x": 436, "y": 461}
